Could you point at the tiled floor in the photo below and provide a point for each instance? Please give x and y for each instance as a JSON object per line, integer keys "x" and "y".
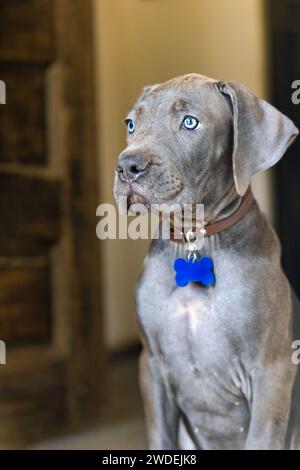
{"x": 121, "y": 425}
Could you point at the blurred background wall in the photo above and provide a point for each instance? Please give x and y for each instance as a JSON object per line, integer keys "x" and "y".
{"x": 140, "y": 42}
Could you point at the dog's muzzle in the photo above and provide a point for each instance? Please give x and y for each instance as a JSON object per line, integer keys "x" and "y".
{"x": 131, "y": 167}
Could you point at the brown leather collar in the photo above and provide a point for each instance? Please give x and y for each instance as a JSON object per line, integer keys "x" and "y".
{"x": 216, "y": 227}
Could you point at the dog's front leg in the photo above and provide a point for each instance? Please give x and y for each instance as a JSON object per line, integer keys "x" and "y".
{"x": 160, "y": 409}
{"x": 272, "y": 390}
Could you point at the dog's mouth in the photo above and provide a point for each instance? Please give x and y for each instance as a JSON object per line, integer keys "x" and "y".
{"x": 138, "y": 196}
{"x": 137, "y": 200}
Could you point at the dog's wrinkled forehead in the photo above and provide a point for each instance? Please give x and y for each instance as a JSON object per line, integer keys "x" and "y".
{"x": 181, "y": 94}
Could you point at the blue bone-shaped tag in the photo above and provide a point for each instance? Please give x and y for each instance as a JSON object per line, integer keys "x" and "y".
{"x": 194, "y": 271}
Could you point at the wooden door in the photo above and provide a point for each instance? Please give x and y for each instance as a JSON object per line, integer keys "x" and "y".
{"x": 50, "y": 317}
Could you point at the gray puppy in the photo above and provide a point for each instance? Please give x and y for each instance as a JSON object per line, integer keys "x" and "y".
{"x": 216, "y": 367}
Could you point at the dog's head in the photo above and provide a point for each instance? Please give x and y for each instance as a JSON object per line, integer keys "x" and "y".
{"x": 195, "y": 140}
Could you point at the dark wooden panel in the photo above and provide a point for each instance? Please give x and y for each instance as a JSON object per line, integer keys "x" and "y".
{"x": 45, "y": 386}
{"x": 25, "y": 298}
{"x": 285, "y": 42}
{"x": 285, "y": 15}
{"x": 27, "y": 32}
{"x": 22, "y": 119}
{"x": 75, "y": 45}
{"x": 29, "y": 212}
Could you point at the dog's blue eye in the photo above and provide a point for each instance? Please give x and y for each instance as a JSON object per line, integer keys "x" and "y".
{"x": 190, "y": 123}
{"x": 130, "y": 126}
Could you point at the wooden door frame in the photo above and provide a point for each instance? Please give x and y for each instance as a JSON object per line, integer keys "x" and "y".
{"x": 75, "y": 42}
{"x": 71, "y": 366}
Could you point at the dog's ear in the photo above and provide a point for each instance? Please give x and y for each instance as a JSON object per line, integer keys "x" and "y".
{"x": 261, "y": 134}
{"x": 145, "y": 92}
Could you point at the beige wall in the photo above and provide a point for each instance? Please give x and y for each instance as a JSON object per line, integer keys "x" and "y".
{"x": 139, "y": 42}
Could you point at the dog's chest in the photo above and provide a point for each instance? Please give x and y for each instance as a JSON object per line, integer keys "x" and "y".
{"x": 196, "y": 356}
{"x": 198, "y": 347}
{"x": 186, "y": 326}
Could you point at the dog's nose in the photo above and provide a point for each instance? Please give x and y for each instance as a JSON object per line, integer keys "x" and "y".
{"x": 131, "y": 167}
